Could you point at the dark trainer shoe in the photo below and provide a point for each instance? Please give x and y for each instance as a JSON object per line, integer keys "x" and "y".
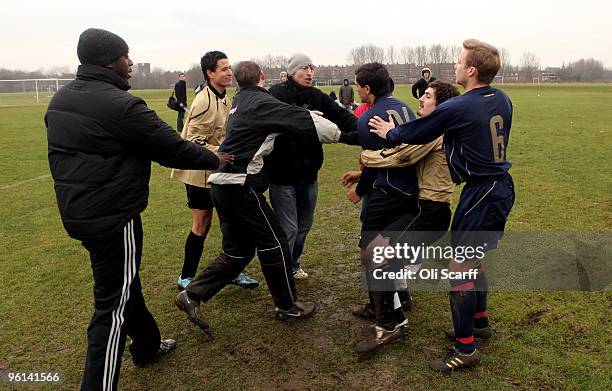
{"x": 364, "y": 311}
{"x": 192, "y": 309}
{"x": 300, "y": 310}
{"x": 454, "y": 359}
{"x": 482, "y": 333}
{"x": 165, "y": 346}
{"x": 379, "y": 336}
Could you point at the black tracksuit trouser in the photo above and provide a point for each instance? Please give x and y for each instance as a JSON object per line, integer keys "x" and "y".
{"x": 120, "y": 308}
{"x": 247, "y": 223}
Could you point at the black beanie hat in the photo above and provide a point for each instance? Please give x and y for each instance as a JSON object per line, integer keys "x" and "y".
{"x": 100, "y": 47}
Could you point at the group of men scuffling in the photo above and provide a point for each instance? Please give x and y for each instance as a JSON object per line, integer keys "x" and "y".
{"x": 102, "y": 140}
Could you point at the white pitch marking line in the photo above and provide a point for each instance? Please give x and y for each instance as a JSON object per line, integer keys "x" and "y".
{"x": 26, "y": 181}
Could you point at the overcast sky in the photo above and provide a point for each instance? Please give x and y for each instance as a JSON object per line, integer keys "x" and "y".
{"x": 174, "y": 35}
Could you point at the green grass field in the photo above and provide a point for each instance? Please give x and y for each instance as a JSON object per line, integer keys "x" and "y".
{"x": 560, "y": 144}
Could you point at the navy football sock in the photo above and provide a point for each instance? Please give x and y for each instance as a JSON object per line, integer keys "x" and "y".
{"x": 194, "y": 246}
{"x": 463, "y": 306}
{"x": 481, "y": 317}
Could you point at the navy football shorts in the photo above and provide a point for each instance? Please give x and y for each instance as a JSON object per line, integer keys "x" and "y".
{"x": 482, "y": 212}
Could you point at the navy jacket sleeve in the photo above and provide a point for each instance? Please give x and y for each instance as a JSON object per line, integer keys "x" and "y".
{"x": 143, "y": 131}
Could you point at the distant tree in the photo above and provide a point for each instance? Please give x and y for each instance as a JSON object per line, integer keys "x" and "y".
{"x": 585, "y": 70}
{"x": 505, "y": 60}
{"x": 58, "y": 71}
{"x": 420, "y": 55}
{"x": 365, "y": 54}
{"x": 356, "y": 56}
{"x": 194, "y": 76}
{"x": 453, "y": 53}
{"x": 437, "y": 54}
{"x": 281, "y": 62}
{"x": 392, "y": 55}
{"x": 407, "y": 55}
{"x": 530, "y": 64}
{"x": 267, "y": 62}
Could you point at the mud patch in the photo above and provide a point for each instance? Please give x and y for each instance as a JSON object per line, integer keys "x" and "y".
{"x": 534, "y": 317}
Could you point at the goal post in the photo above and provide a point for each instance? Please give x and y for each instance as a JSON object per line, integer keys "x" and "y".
{"x": 36, "y": 86}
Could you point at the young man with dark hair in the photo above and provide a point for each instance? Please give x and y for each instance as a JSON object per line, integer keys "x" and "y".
{"x": 393, "y": 192}
{"x": 248, "y": 223}
{"x": 101, "y": 143}
{"x": 476, "y": 128}
{"x": 432, "y": 218}
{"x": 180, "y": 90}
{"x": 205, "y": 126}
{"x": 295, "y": 162}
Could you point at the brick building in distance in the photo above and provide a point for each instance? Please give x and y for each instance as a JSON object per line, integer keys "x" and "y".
{"x": 400, "y": 73}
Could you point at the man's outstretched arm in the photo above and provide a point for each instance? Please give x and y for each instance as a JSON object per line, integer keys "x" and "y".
{"x": 420, "y": 131}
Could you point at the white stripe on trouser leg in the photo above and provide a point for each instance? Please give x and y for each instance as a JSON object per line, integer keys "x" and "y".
{"x": 125, "y": 295}
{"x": 131, "y": 275}
{"x": 129, "y": 270}
{"x": 396, "y": 301}
{"x": 115, "y": 331}
{"x": 279, "y": 244}
{"x": 111, "y": 334}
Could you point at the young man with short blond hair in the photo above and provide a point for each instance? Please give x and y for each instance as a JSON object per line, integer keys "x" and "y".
{"x": 476, "y": 128}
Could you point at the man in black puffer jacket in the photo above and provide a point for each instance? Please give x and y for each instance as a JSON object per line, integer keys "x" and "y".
{"x": 295, "y": 163}
{"x": 101, "y": 141}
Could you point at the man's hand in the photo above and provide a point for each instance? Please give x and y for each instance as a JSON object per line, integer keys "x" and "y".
{"x": 317, "y": 112}
{"x": 225, "y": 158}
{"x": 380, "y": 127}
{"x": 349, "y": 178}
{"x": 353, "y": 196}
